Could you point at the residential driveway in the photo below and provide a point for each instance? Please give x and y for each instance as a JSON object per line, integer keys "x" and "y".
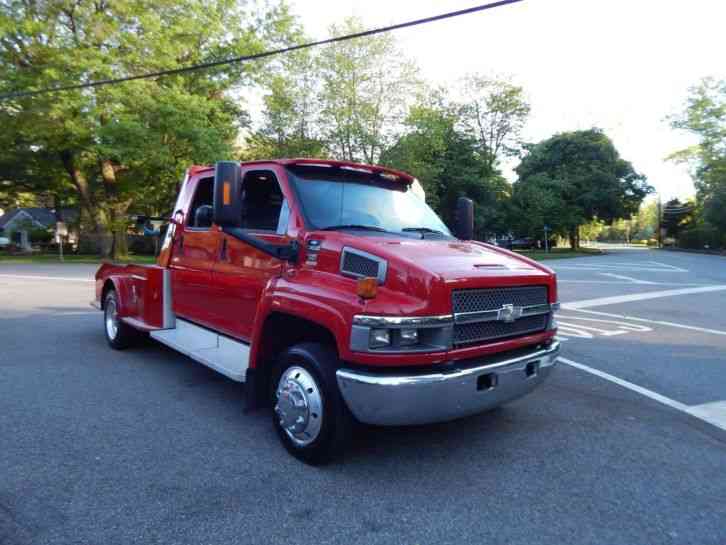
{"x": 626, "y": 443}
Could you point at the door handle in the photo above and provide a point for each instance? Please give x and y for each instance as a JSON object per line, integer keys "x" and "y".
{"x": 223, "y": 251}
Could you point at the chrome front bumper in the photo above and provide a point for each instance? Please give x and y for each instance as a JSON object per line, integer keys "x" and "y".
{"x": 403, "y": 399}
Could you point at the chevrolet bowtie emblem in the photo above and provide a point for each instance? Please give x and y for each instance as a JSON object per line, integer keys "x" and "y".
{"x": 509, "y": 313}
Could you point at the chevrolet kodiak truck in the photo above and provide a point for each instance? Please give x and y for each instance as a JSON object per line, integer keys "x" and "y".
{"x": 336, "y": 295}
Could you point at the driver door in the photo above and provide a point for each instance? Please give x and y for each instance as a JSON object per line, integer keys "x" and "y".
{"x": 241, "y": 271}
{"x": 193, "y": 255}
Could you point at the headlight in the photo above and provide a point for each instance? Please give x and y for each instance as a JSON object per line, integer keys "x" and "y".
{"x": 380, "y": 338}
{"x": 389, "y": 334}
{"x": 408, "y": 337}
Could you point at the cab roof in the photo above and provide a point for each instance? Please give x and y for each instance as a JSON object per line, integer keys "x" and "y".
{"x": 392, "y": 174}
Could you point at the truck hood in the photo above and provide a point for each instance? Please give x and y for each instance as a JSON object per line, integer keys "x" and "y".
{"x": 453, "y": 260}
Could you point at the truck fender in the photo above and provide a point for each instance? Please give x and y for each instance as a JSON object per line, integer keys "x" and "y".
{"x": 124, "y": 289}
{"x": 298, "y": 306}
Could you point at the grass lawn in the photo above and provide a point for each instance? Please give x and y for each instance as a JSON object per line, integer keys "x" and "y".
{"x": 69, "y": 258}
{"x": 559, "y": 253}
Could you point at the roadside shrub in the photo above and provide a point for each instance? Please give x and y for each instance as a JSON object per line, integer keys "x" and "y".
{"x": 40, "y": 236}
{"x": 698, "y": 238}
{"x": 142, "y": 245}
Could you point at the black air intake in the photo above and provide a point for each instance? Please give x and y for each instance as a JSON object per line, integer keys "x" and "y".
{"x": 358, "y": 264}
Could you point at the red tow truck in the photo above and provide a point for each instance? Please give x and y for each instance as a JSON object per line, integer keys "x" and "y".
{"x": 335, "y": 294}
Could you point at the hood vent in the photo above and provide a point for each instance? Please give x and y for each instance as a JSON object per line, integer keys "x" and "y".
{"x": 357, "y": 264}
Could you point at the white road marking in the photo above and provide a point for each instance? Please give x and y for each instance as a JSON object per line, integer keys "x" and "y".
{"x": 632, "y": 268}
{"x": 711, "y": 412}
{"x": 601, "y": 301}
{"x": 715, "y": 416}
{"x": 54, "y": 278}
{"x": 629, "y": 278}
{"x": 574, "y": 332}
{"x": 616, "y": 283}
{"x": 603, "y": 332}
{"x": 667, "y": 266}
{"x": 622, "y": 325}
{"x": 657, "y": 322}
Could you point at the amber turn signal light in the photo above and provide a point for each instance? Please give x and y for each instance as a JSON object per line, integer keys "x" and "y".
{"x": 367, "y": 287}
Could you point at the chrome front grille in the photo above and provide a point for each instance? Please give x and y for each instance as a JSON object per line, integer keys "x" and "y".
{"x": 478, "y": 300}
{"x": 488, "y": 314}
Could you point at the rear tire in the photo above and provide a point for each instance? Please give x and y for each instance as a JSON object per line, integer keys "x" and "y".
{"x": 309, "y": 415}
{"x": 118, "y": 334}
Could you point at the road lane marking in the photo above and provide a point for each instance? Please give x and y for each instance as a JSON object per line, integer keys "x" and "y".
{"x": 657, "y": 322}
{"x": 616, "y": 299}
{"x": 667, "y": 266}
{"x": 714, "y": 411}
{"x": 616, "y": 283}
{"x": 716, "y": 416}
{"x": 629, "y": 278}
{"x": 54, "y": 278}
{"x": 603, "y": 332}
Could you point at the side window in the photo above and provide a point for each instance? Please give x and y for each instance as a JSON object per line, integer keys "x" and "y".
{"x": 200, "y": 211}
{"x": 262, "y": 201}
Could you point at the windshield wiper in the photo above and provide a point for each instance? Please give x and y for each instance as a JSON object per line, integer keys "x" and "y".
{"x": 423, "y": 231}
{"x": 354, "y": 226}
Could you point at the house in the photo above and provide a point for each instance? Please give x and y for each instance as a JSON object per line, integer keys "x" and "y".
{"x": 18, "y": 223}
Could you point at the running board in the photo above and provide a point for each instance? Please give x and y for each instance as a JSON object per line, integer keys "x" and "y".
{"x": 224, "y": 355}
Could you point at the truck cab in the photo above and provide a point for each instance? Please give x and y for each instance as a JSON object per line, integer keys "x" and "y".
{"x": 336, "y": 294}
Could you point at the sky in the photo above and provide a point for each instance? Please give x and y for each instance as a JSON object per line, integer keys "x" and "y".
{"x": 620, "y": 65}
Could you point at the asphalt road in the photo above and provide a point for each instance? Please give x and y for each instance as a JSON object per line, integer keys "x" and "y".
{"x": 626, "y": 443}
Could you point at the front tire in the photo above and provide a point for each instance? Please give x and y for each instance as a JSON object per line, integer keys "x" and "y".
{"x": 118, "y": 334}
{"x": 309, "y": 415}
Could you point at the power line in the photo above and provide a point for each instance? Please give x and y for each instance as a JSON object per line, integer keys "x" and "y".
{"x": 265, "y": 54}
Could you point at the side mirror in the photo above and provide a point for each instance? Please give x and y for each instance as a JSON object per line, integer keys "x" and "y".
{"x": 464, "y": 219}
{"x": 227, "y": 194}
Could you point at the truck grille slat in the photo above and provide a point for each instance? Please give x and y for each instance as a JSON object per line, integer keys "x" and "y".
{"x": 488, "y": 331}
{"x": 491, "y": 299}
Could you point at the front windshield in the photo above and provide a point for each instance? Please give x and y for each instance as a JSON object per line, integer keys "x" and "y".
{"x": 339, "y": 198}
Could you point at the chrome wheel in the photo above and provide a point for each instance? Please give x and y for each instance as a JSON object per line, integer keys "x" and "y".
{"x": 111, "y": 318}
{"x": 299, "y": 406}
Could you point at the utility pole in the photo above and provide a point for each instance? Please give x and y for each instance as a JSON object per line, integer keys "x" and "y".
{"x": 660, "y": 214}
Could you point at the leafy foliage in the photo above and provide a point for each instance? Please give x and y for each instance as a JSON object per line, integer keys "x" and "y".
{"x": 123, "y": 145}
{"x": 705, "y": 116}
{"x": 573, "y": 178}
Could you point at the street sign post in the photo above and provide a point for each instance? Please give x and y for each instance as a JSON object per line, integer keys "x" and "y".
{"x": 547, "y": 239}
{"x": 61, "y": 230}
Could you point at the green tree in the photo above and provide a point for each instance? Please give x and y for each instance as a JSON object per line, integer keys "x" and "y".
{"x": 704, "y": 115}
{"x": 123, "y": 145}
{"x": 493, "y": 114}
{"x": 447, "y": 163}
{"x": 677, "y": 216}
{"x": 365, "y": 88}
{"x": 580, "y": 176}
{"x": 290, "y": 125}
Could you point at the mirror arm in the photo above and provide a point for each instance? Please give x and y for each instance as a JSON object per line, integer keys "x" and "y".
{"x": 285, "y": 252}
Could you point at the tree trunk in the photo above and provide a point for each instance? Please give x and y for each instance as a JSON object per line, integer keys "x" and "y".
{"x": 117, "y": 212}
{"x": 95, "y": 214}
{"x": 574, "y": 238}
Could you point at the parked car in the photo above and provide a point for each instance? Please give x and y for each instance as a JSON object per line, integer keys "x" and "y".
{"x": 336, "y": 295}
{"x": 524, "y": 243}
{"x": 4, "y": 242}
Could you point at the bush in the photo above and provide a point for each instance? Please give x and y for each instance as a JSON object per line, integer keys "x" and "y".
{"x": 142, "y": 245}
{"x": 40, "y": 236}
{"x": 698, "y": 238}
